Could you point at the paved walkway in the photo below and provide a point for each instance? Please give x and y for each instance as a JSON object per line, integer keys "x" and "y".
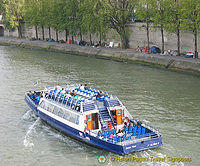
{"x": 126, "y": 55}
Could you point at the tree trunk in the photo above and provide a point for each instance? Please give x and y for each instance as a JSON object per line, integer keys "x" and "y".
{"x": 124, "y": 39}
{"x": 100, "y": 38}
{"x": 148, "y": 34}
{"x": 195, "y": 43}
{"x": 90, "y": 39}
{"x": 49, "y": 32}
{"x": 56, "y": 35}
{"x": 72, "y": 39}
{"x": 42, "y": 32}
{"x": 163, "y": 40}
{"x": 19, "y": 28}
{"x": 66, "y": 34}
{"x": 36, "y": 32}
{"x": 178, "y": 42}
{"x": 81, "y": 36}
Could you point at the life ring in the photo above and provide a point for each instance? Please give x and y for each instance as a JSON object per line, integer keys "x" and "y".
{"x": 125, "y": 118}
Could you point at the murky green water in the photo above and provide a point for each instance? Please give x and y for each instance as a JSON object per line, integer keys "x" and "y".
{"x": 166, "y": 99}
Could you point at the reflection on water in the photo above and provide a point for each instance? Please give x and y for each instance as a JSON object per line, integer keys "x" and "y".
{"x": 166, "y": 99}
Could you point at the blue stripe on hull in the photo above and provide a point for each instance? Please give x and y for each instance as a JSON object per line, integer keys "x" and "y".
{"x": 94, "y": 141}
{"x": 143, "y": 145}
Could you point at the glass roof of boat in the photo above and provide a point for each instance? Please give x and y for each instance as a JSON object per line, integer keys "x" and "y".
{"x": 77, "y": 93}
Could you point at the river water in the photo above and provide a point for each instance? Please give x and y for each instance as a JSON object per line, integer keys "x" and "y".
{"x": 168, "y": 100}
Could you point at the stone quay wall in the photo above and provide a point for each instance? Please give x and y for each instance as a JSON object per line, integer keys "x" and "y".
{"x": 175, "y": 62}
{"x": 137, "y": 37}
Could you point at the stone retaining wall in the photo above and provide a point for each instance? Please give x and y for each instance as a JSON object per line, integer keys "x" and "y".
{"x": 124, "y": 55}
{"x": 137, "y": 37}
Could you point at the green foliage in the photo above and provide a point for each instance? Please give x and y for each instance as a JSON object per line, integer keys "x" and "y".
{"x": 13, "y": 13}
{"x": 92, "y": 21}
{"x": 1, "y": 7}
{"x": 98, "y": 16}
{"x": 117, "y": 15}
{"x": 190, "y": 14}
{"x": 190, "y": 18}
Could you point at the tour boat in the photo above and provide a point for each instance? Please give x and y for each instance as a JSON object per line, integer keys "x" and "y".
{"x": 94, "y": 117}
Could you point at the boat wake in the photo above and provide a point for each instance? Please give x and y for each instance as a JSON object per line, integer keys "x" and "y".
{"x": 28, "y": 142}
{"x": 27, "y": 115}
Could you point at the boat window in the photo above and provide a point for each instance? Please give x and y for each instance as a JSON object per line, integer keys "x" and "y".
{"x": 60, "y": 112}
{"x": 66, "y": 115}
{"x": 73, "y": 118}
{"x": 118, "y": 112}
{"x": 47, "y": 106}
{"x": 88, "y": 117}
{"x": 52, "y": 107}
{"x": 77, "y": 120}
{"x": 42, "y": 104}
{"x": 55, "y": 110}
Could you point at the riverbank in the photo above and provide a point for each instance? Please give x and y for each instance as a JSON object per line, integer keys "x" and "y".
{"x": 175, "y": 62}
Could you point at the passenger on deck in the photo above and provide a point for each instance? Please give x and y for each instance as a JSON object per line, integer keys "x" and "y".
{"x": 82, "y": 87}
{"x": 129, "y": 126}
{"x": 120, "y": 133}
{"x": 125, "y": 124}
{"x": 125, "y": 127}
{"x": 111, "y": 136}
{"x": 138, "y": 123}
{"x": 72, "y": 93}
{"x": 30, "y": 93}
{"x": 86, "y": 87}
{"x": 98, "y": 96}
{"x": 58, "y": 87}
{"x": 62, "y": 91}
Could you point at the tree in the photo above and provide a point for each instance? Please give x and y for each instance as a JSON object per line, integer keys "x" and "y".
{"x": 31, "y": 14}
{"x": 144, "y": 13}
{"x": 190, "y": 13}
{"x": 117, "y": 15}
{"x": 173, "y": 11}
{"x": 91, "y": 20}
{"x": 1, "y": 7}
{"x": 13, "y": 15}
{"x": 159, "y": 17}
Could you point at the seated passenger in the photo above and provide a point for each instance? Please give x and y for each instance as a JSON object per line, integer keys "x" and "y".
{"x": 98, "y": 96}
{"x": 72, "y": 93}
{"x": 138, "y": 123}
{"x": 30, "y": 93}
{"x": 62, "y": 91}
{"x": 120, "y": 133}
{"x": 125, "y": 125}
{"x": 86, "y": 87}
{"x": 58, "y": 87}
{"x": 99, "y": 134}
{"x": 125, "y": 128}
{"x": 82, "y": 87}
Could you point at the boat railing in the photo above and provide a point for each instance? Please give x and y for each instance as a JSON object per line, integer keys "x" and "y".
{"x": 148, "y": 127}
{"x": 63, "y": 85}
{"x": 90, "y": 132}
{"x": 132, "y": 141}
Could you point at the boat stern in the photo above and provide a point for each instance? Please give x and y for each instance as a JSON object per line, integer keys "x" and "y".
{"x": 142, "y": 145}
